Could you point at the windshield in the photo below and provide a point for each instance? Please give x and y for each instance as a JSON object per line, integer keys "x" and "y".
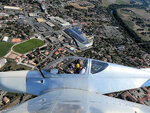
{"x": 98, "y": 66}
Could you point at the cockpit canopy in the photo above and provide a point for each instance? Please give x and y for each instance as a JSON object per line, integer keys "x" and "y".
{"x": 76, "y": 65}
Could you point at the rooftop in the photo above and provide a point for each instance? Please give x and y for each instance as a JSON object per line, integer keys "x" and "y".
{"x": 12, "y": 7}
{"x": 2, "y": 62}
{"x": 77, "y": 34}
{"x": 5, "y": 39}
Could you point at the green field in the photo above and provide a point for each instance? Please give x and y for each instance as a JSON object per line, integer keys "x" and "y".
{"x": 28, "y": 46}
{"x": 4, "y": 48}
{"x": 129, "y": 23}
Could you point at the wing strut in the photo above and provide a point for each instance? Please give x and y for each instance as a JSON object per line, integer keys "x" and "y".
{"x": 42, "y": 73}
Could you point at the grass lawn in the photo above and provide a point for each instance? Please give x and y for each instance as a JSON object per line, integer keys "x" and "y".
{"x": 129, "y": 23}
{"x": 4, "y": 48}
{"x": 11, "y": 65}
{"x": 28, "y": 46}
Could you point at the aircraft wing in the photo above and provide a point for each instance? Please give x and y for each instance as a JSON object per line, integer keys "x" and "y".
{"x": 145, "y": 69}
{"x": 77, "y": 101}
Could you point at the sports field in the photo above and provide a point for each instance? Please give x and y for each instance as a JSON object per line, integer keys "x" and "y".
{"x": 28, "y": 46}
{"x": 4, "y": 48}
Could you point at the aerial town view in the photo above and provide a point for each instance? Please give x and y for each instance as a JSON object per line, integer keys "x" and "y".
{"x": 34, "y": 33}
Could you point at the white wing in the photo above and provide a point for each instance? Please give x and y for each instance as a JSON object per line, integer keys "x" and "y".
{"x": 77, "y": 101}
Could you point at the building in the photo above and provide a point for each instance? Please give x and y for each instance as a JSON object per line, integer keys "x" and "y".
{"x": 4, "y": 14}
{"x": 6, "y": 100}
{"x": 32, "y": 14}
{"x": 40, "y": 20}
{"x": 2, "y": 62}
{"x": 46, "y": 34}
{"x": 50, "y": 24}
{"x": 5, "y": 39}
{"x": 53, "y": 40}
{"x": 12, "y": 8}
{"x": 21, "y": 16}
{"x": 77, "y": 35}
{"x": 60, "y": 21}
{"x": 40, "y": 1}
{"x": 16, "y": 40}
{"x": 121, "y": 47}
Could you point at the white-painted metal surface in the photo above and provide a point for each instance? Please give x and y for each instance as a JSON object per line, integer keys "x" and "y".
{"x": 77, "y": 101}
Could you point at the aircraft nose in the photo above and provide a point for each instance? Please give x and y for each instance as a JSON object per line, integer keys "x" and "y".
{"x": 13, "y": 81}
